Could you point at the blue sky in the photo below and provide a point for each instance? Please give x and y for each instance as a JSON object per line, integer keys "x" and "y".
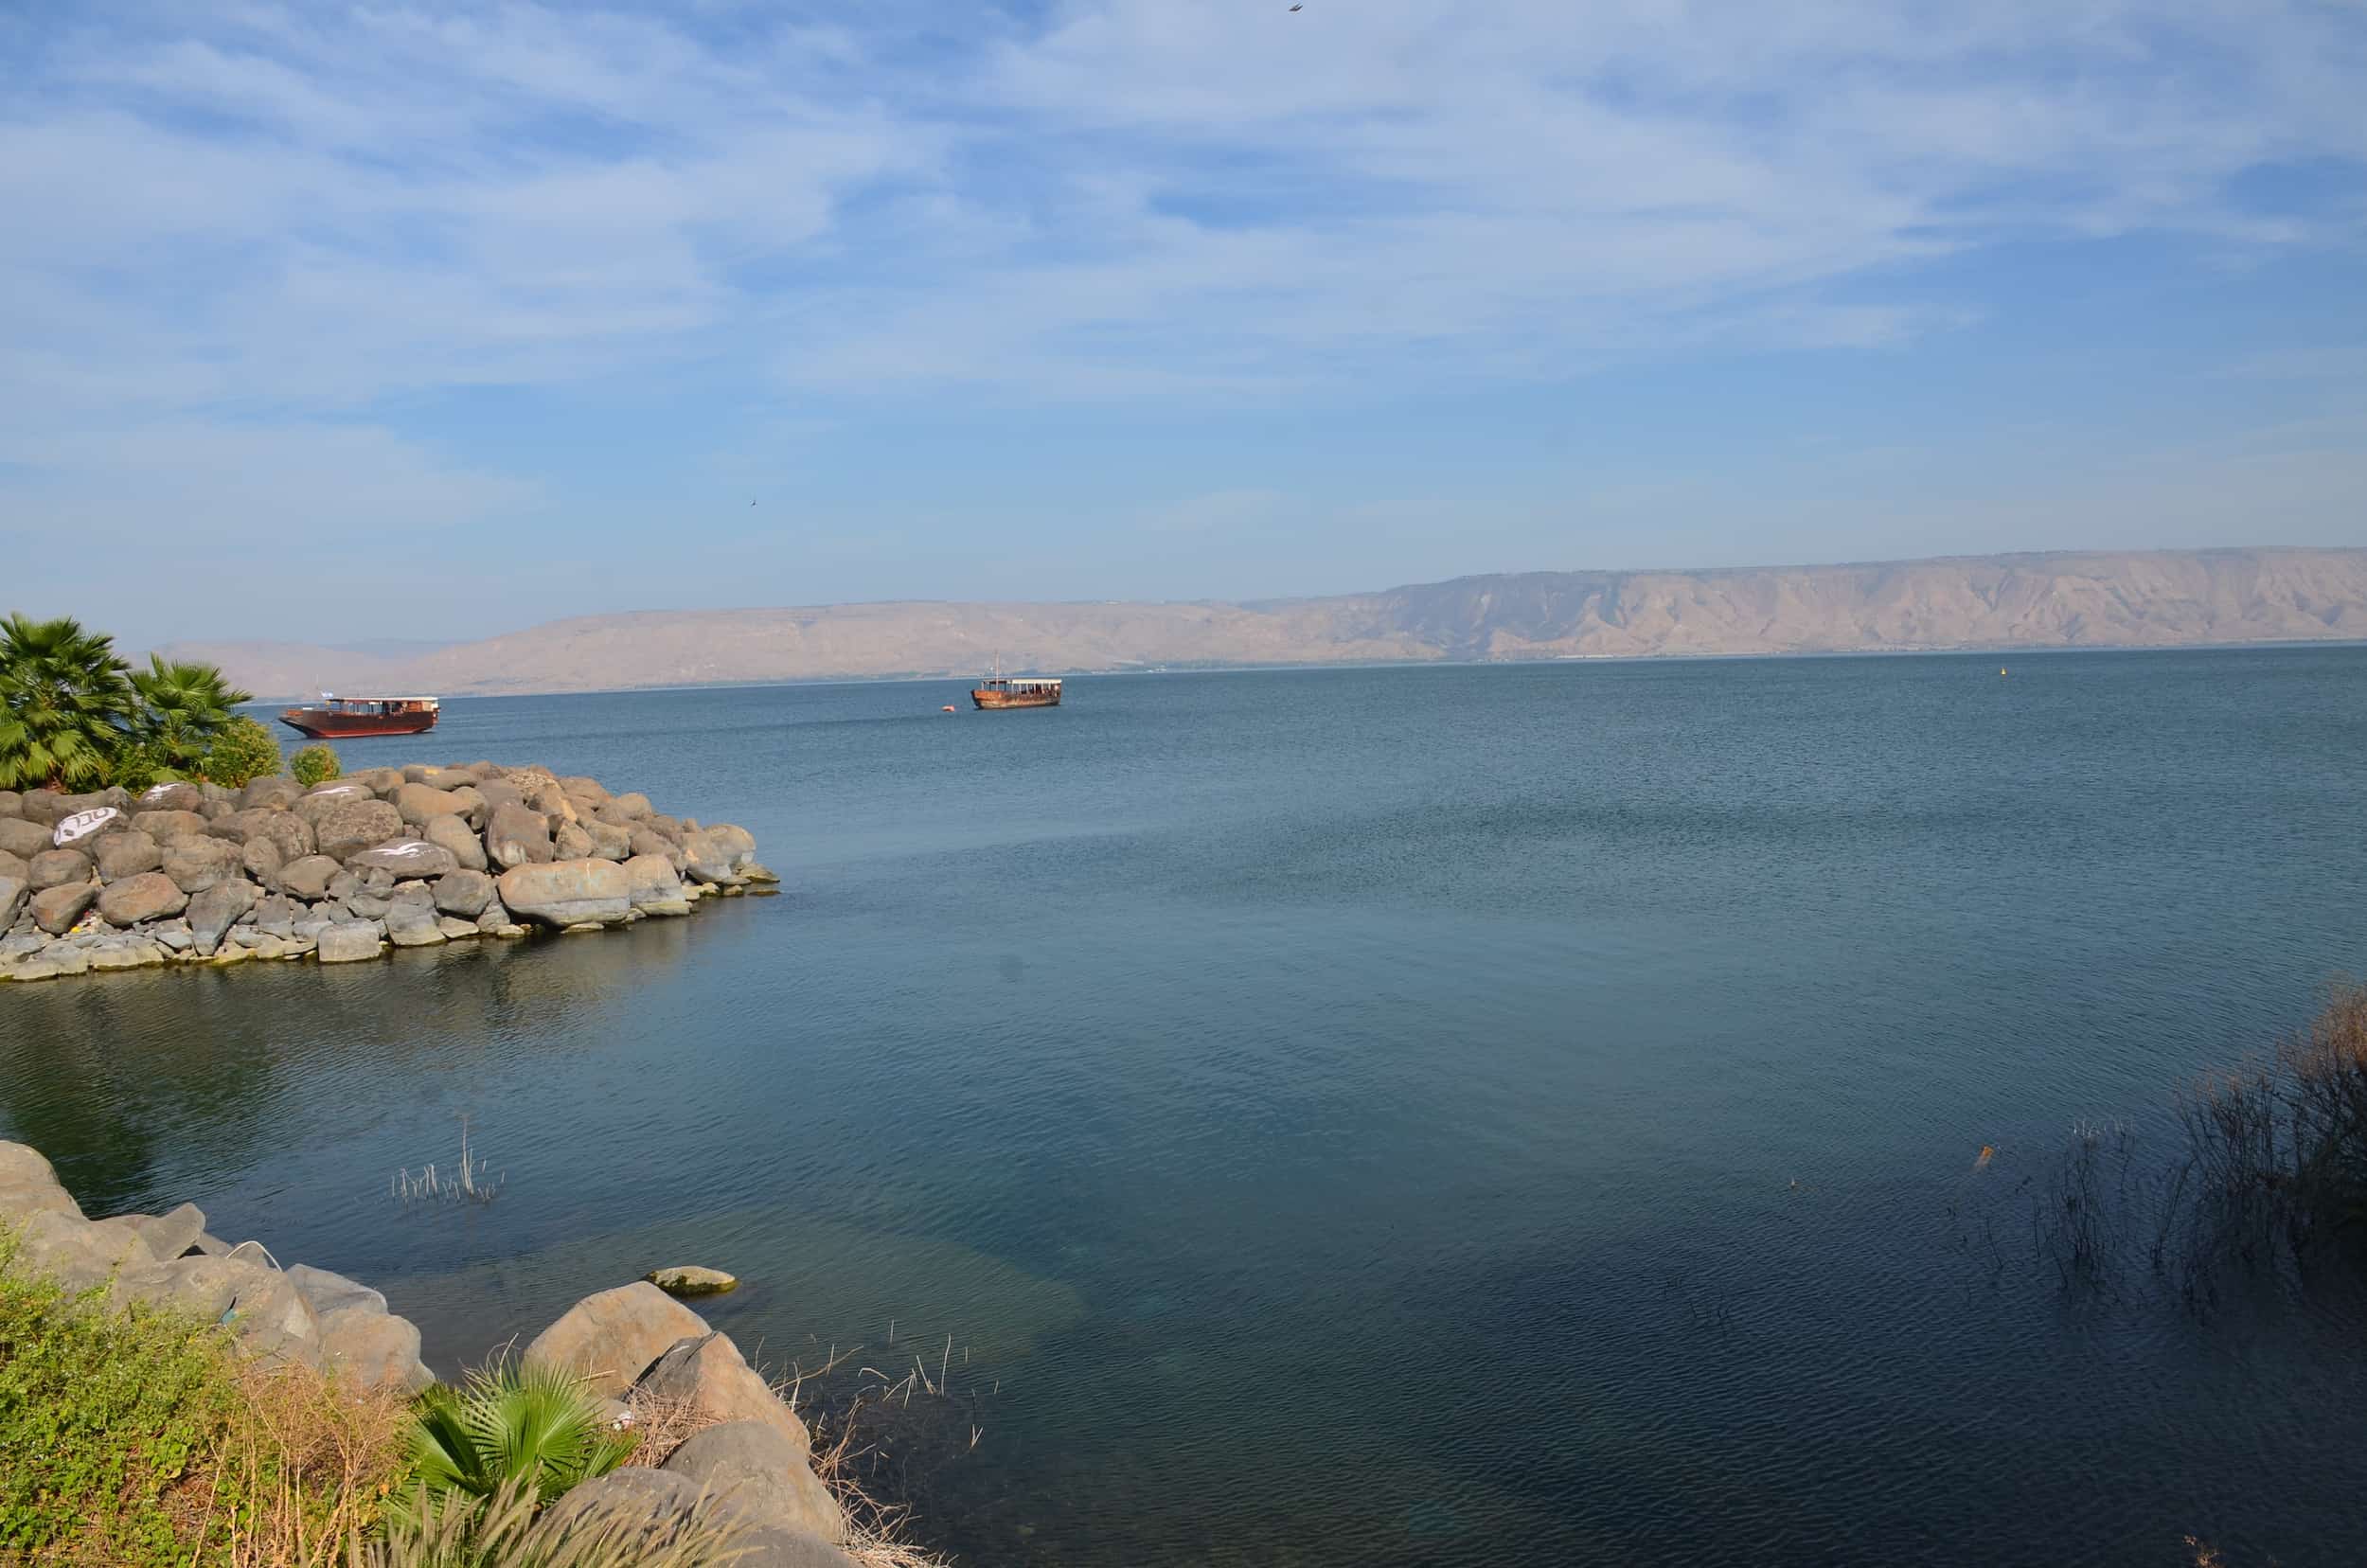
{"x": 330, "y": 323}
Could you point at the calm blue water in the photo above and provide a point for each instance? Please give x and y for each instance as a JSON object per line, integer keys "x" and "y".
{"x": 1440, "y": 1116}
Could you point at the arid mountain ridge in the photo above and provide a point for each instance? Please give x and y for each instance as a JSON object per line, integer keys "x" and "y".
{"x": 2128, "y": 599}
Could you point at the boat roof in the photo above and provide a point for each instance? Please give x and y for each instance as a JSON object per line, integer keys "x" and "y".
{"x": 353, "y": 697}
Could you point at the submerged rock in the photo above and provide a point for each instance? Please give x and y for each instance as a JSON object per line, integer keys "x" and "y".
{"x": 690, "y": 1280}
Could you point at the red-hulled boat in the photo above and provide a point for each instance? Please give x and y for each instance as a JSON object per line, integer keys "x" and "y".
{"x": 335, "y": 718}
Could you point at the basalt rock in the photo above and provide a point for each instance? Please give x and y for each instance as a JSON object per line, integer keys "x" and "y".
{"x": 464, "y": 893}
{"x": 23, "y": 839}
{"x": 216, "y": 909}
{"x": 165, "y": 826}
{"x": 517, "y": 836}
{"x": 450, "y": 832}
{"x": 56, "y": 909}
{"x": 307, "y": 878}
{"x": 57, "y": 867}
{"x": 349, "y": 828}
{"x": 610, "y": 1338}
{"x": 405, "y": 857}
{"x": 195, "y": 864}
{"x": 567, "y": 893}
{"x": 150, "y": 896}
{"x": 127, "y": 854}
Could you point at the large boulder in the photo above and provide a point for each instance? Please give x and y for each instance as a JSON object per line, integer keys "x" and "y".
{"x": 581, "y": 786}
{"x": 165, "y": 826}
{"x": 566, "y": 893}
{"x": 261, "y": 860}
{"x": 349, "y": 942}
{"x": 83, "y": 828}
{"x": 325, "y": 799}
{"x": 56, "y": 909}
{"x": 464, "y": 893}
{"x": 195, "y": 864}
{"x": 359, "y": 1339}
{"x": 170, "y": 1234}
{"x": 309, "y": 877}
{"x": 718, "y": 853}
{"x": 570, "y": 842}
{"x": 57, "y": 867}
{"x": 609, "y": 1338}
{"x": 23, "y": 839}
{"x": 516, "y": 836}
{"x": 216, "y": 909}
{"x": 150, "y": 896}
{"x": 349, "y": 828}
{"x": 756, "y": 1466}
{"x": 411, "y": 924}
{"x": 290, "y": 832}
{"x": 13, "y": 893}
{"x": 421, "y": 803}
{"x": 705, "y": 1375}
{"x": 30, "y": 1184}
{"x": 630, "y": 807}
{"x": 17, "y": 866}
{"x": 76, "y": 1253}
{"x": 450, "y": 832}
{"x": 128, "y": 854}
{"x": 654, "y": 887}
{"x": 407, "y": 858}
{"x": 275, "y": 791}
{"x": 177, "y": 795}
{"x": 608, "y": 841}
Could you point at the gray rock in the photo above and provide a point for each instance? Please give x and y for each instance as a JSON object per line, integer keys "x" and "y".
{"x": 51, "y": 963}
{"x": 450, "y": 832}
{"x": 455, "y": 928}
{"x": 165, "y": 826}
{"x": 328, "y": 1293}
{"x": 756, "y": 1466}
{"x": 30, "y": 1185}
{"x": 173, "y": 935}
{"x": 347, "y": 829}
{"x": 706, "y": 1375}
{"x": 125, "y": 952}
{"x": 325, "y": 799}
{"x": 275, "y": 916}
{"x": 15, "y": 866}
{"x": 497, "y": 793}
{"x": 216, "y": 909}
{"x": 307, "y": 878}
{"x": 464, "y": 893}
{"x": 630, "y": 807}
{"x": 13, "y": 893}
{"x": 85, "y": 828}
{"x": 269, "y": 1319}
{"x": 515, "y": 836}
{"x": 654, "y": 887}
{"x": 177, "y": 795}
{"x": 348, "y": 942}
{"x": 9, "y": 801}
{"x": 689, "y": 1279}
{"x": 57, "y": 867}
{"x": 566, "y": 893}
{"x": 170, "y": 1235}
{"x": 23, "y": 839}
{"x": 275, "y": 791}
{"x": 610, "y": 842}
{"x": 645, "y": 1509}
{"x": 196, "y": 864}
{"x": 419, "y": 893}
{"x": 261, "y": 860}
{"x": 421, "y": 804}
{"x": 367, "y": 903}
{"x": 72, "y": 1251}
{"x": 610, "y": 1337}
{"x": 366, "y": 1349}
{"x": 150, "y": 896}
{"x": 411, "y": 925}
{"x": 572, "y": 843}
{"x": 405, "y": 857}
{"x": 128, "y": 854}
{"x": 201, "y": 1287}
{"x": 715, "y": 854}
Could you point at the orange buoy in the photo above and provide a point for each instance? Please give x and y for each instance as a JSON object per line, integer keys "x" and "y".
{"x": 948, "y": 709}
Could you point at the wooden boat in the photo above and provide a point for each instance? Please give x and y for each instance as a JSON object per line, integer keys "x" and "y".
{"x": 1013, "y": 691}
{"x": 335, "y": 718}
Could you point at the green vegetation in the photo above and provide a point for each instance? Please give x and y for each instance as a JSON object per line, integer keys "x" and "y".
{"x": 74, "y": 716}
{"x": 314, "y": 764}
{"x": 512, "y": 1426}
{"x": 498, "y": 1532}
{"x": 137, "y": 1438}
{"x": 241, "y": 752}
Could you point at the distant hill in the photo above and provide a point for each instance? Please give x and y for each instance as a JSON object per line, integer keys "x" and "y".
{"x": 2137, "y": 599}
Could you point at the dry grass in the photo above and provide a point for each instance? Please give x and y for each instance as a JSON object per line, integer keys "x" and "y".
{"x": 312, "y": 1462}
{"x": 661, "y": 1425}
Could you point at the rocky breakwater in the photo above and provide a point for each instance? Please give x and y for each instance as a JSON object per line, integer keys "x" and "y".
{"x": 710, "y": 1430}
{"x": 409, "y": 857}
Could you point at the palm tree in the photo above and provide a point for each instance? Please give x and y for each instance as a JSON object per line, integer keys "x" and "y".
{"x": 63, "y": 700}
{"x": 525, "y": 1425}
{"x": 183, "y": 707}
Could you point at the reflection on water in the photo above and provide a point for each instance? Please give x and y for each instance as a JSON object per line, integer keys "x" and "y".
{"x": 1406, "y": 1117}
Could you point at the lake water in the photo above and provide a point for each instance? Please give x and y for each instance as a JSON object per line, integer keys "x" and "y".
{"x": 1465, "y": 1116}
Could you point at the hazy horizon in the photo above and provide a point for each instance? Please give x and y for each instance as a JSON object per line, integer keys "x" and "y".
{"x": 425, "y": 323}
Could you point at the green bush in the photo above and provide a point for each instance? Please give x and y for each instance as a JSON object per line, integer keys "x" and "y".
{"x": 512, "y": 1425}
{"x": 314, "y": 765}
{"x": 241, "y": 752}
{"x": 101, "y": 1417}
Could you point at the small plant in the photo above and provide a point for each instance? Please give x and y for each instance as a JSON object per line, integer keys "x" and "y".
{"x": 241, "y": 752}
{"x": 314, "y": 765}
{"x": 511, "y": 1425}
{"x": 499, "y": 1531}
{"x": 467, "y": 1182}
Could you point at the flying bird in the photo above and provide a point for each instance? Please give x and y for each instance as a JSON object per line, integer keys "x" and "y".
{"x": 1298, "y": 8}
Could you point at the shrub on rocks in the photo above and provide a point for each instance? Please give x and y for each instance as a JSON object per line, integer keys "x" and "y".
{"x": 243, "y": 752}
{"x": 314, "y": 764}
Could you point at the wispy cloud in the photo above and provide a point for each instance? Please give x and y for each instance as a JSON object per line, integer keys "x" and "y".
{"x": 261, "y": 222}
